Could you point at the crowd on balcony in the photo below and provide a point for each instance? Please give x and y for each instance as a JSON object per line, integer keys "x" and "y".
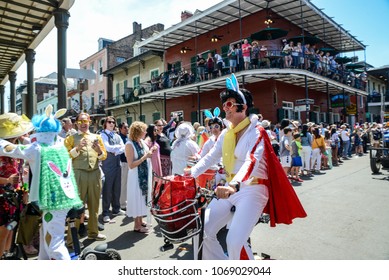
{"x": 247, "y": 56}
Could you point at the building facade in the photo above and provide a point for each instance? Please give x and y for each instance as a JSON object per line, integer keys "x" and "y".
{"x": 278, "y": 91}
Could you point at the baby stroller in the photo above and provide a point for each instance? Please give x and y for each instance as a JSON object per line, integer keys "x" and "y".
{"x": 176, "y": 206}
{"x": 15, "y": 198}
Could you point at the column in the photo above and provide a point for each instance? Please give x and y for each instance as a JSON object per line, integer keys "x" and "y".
{"x": 12, "y": 92}
{"x": 2, "y": 104}
{"x": 31, "y": 96}
{"x": 61, "y": 22}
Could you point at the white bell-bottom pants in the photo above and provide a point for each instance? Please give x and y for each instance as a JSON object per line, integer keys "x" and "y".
{"x": 249, "y": 203}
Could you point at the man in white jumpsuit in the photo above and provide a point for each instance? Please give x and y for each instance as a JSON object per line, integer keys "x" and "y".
{"x": 246, "y": 176}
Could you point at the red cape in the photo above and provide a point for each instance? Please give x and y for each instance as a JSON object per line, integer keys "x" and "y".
{"x": 283, "y": 205}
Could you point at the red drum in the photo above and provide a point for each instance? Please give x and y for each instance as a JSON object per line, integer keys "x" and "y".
{"x": 174, "y": 207}
{"x": 207, "y": 179}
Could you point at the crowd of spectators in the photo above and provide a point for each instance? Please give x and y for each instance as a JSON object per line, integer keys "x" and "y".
{"x": 166, "y": 148}
{"x": 288, "y": 54}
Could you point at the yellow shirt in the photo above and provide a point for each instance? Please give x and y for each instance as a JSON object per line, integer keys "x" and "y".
{"x": 318, "y": 142}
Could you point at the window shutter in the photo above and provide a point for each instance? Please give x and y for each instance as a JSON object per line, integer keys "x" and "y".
{"x": 193, "y": 117}
{"x": 156, "y": 116}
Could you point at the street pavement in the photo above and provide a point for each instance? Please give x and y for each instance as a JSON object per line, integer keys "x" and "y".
{"x": 348, "y": 219}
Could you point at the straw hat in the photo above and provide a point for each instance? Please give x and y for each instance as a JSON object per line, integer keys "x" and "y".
{"x": 13, "y": 125}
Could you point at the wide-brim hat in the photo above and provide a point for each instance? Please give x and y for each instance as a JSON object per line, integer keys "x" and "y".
{"x": 265, "y": 123}
{"x": 184, "y": 130}
{"x": 12, "y": 125}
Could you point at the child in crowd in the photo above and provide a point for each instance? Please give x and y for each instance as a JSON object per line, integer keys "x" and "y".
{"x": 358, "y": 142}
{"x": 327, "y": 159}
{"x": 296, "y": 157}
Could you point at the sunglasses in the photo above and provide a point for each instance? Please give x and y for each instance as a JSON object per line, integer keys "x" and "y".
{"x": 111, "y": 122}
{"x": 159, "y": 125}
{"x": 230, "y": 104}
{"x": 214, "y": 126}
{"x": 82, "y": 122}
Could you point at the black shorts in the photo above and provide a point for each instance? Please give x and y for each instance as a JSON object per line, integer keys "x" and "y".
{"x": 220, "y": 66}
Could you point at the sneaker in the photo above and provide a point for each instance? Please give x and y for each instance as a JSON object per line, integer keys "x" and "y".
{"x": 100, "y": 226}
{"x": 120, "y": 213}
{"x": 106, "y": 219}
{"x": 99, "y": 237}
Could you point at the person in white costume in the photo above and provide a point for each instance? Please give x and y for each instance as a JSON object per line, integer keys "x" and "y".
{"x": 246, "y": 173}
{"x": 53, "y": 184}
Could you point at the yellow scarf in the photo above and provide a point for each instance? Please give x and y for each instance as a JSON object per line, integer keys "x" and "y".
{"x": 229, "y": 147}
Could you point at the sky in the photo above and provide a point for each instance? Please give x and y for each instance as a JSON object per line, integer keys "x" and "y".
{"x": 94, "y": 19}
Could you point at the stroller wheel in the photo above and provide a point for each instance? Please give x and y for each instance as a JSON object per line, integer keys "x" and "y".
{"x": 113, "y": 254}
{"x": 167, "y": 246}
{"x": 90, "y": 256}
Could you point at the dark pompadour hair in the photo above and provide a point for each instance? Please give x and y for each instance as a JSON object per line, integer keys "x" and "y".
{"x": 228, "y": 93}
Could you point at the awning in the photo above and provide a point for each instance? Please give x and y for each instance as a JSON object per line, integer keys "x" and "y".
{"x": 23, "y": 25}
{"x": 296, "y": 11}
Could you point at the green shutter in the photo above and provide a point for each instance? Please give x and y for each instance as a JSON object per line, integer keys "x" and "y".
{"x": 193, "y": 117}
{"x": 177, "y": 66}
{"x": 224, "y": 53}
{"x": 156, "y": 116}
{"x": 118, "y": 121}
{"x": 253, "y": 110}
{"x": 129, "y": 120}
{"x": 193, "y": 65}
{"x": 280, "y": 114}
{"x": 142, "y": 118}
{"x": 312, "y": 117}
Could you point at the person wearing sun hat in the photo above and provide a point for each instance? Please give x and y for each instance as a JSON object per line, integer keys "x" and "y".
{"x": 12, "y": 126}
{"x": 53, "y": 185}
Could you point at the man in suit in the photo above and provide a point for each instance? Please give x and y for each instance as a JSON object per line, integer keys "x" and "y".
{"x": 113, "y": 143}
{"x": 86, "y": 150}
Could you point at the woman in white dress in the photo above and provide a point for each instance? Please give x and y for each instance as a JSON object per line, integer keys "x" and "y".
{"x": 139, "y": 179}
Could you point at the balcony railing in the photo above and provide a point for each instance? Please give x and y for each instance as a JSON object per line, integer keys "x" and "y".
{"x": 273, "y": 59}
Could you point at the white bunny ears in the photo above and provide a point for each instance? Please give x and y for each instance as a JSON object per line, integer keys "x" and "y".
{"x": 47, "y": 121}
{"x": 232, "y": 84}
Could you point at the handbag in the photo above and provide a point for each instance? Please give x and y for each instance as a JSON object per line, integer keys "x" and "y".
{"x": 297, "y": 161}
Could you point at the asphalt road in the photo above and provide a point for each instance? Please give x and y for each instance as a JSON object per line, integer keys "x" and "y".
{"x": 347, "y": 219}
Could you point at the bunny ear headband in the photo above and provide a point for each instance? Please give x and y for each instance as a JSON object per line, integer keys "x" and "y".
{"x": 48, "y": 111}
{"x": 216, "y": 113}
{"x": 232, "y": 84}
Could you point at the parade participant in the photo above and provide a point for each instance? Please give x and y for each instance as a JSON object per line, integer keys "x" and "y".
{"x": 86, "y": 150}
{"x": 216, "y": 127}
{"x": 253, "y": 175}
{"x": 53, "y": 184}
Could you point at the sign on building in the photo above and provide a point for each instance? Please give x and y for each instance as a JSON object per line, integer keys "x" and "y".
{"x": 304, "y": 101}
